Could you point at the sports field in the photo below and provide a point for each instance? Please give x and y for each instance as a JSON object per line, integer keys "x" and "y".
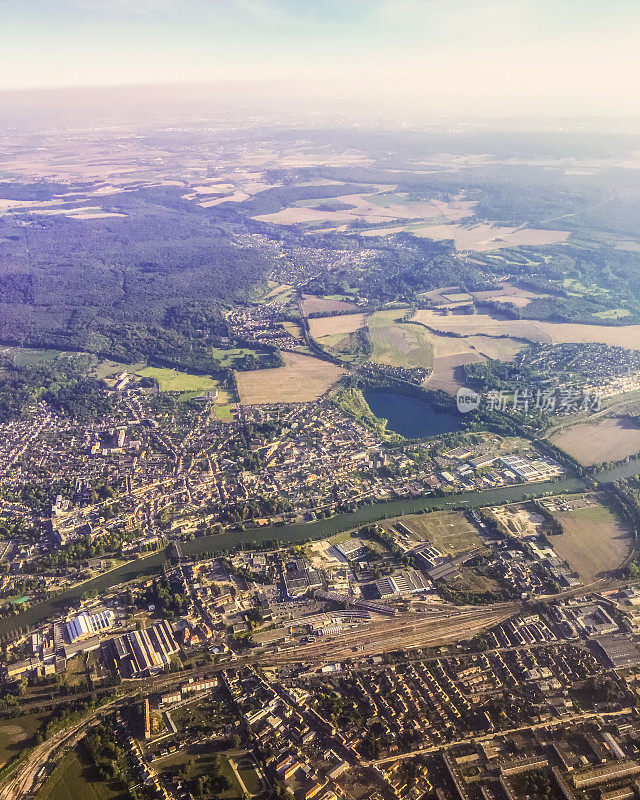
{"x": 594, "y": 541}
{"x": 610, "y": 439}
{"x": 302, "y": 379}
{"x": 449, "y": 531}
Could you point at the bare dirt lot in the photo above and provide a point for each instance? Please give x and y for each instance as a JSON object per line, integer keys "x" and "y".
{"x": 594, "y": 542}
{"x": 610, "y": 439}
{"x": 302, "y": 379}
{"x": 343, "y": 323}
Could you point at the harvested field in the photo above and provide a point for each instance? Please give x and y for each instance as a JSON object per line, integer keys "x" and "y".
{"x": 400, "y": 344}
{"x": 535, "y": 331}
{"x": 501, "y": 349}
{"x": 311, "y": 303}
{"x": 620, "y": 336}
{"x": 302, "y": 379}
{"x": 380, "y": 208}
{"x": 328, "y": 326}
{"x": 444, "y": 346}
{"x": 479, "y": 237}
{"x": 509, "y": 294}
{"x": 451, "y": 532}
{"x": 594, "y": 541}
{"x": 445, "y": 371}
{"x": 610, "y": 439}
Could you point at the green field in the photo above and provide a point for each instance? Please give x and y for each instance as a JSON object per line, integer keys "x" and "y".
{"x": 612, "y": 313}
{"x": 74, "y": 779}
{"x": 449, "y": 531}
{"x": 170, "y": 380}
{"x": 250, "y": 778}
{"x": 388, "y": 199}
{"x": 16, "y": 734}
{"x": 227, "y": 358}
{"x": 398, "y": 344}
{"x": 574, "y": 286}
{"x": 200, "y": 765}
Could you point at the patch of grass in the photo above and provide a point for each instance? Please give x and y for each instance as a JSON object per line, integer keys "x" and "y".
{"x": 229, "y": 357}
{"x": 612, "y": 313}
{"x": 223, "y": 412}
{"x": 170, "y": 380}
{"x": 387, "y": 199}
{"x": 576, "y": 287}
{"x": 16, "y": 734}
{"x": 340, "y": 538}
{"x": 75, "y": 779}
{"x": 449, "y": 531}
{"x": 109, "y": 369}
{"x": 249, "y": 776}
{"x": 352, "y": 402}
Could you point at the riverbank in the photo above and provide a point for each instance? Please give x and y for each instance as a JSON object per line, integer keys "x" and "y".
{"x": 285, "y": 535}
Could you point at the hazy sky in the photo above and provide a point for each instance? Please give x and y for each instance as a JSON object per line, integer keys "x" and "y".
{"x": 567, "y": 56}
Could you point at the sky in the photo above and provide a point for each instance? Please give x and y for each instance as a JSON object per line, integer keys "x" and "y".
{"x": 503, "y": 56}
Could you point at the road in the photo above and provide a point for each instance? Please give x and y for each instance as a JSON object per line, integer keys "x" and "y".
{"x": 581, "y": 717}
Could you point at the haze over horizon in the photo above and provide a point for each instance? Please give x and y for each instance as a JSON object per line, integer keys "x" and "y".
{"x": 499, "y": 57}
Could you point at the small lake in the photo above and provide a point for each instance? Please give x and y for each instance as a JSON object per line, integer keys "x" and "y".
{"x": 411, "y": 416}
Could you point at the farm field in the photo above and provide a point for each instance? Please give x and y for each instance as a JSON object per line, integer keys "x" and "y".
{"x": 501, "y": 349}
{"x": 478, "y": 236}
{"x": 329, "y": 326}
{"x": 449, "y": 531}
{"x": 376, "y": 208}
{"x": 444, "y": 375}
{"x": 547, "y": 332}
{"x": 594, "y": 541}
{"x": 398, "y": 344}
{"x": 170, "y": 380}
{"x": 509, "y": 294}
{"x": 610, "y": 439}
{"x": 73, "y": 779}
{"x": 302, "y": 379}
{"x": 311, "y": 303}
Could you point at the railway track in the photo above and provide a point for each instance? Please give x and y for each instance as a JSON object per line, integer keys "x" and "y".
{"x": 416, "y": 630}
